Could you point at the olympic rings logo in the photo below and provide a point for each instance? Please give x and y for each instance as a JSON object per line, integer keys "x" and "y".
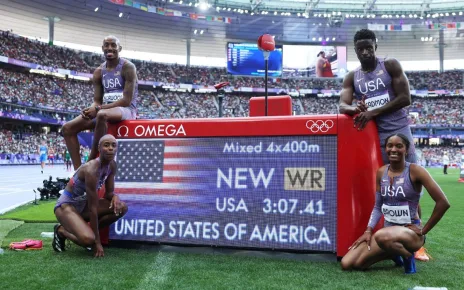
{"x": 319, "y": 125}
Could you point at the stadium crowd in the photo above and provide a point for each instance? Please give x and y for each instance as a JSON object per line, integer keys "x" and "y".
{"x": 57, "y": 96}
{"x": 62, "y": 99}
{"x": 433, "y": 155}
{"x": 26, "y": 143}
{"x": 54, "y": 56}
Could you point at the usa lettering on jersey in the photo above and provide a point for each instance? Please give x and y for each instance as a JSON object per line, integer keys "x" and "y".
{"x": 372, "y": 86}
{"x": 111, "y": 83}
{"x": 392, "y": 191}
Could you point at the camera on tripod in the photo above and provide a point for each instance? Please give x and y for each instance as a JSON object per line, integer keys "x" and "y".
{"x": 51, "y": 189}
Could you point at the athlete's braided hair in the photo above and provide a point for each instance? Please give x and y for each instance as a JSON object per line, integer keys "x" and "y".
{"x": 365, "y": 34}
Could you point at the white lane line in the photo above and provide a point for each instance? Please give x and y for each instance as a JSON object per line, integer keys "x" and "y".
{"x": 158, "y": 272}
{"x": 4, "y": 210}
{"x": 15, "y": 192}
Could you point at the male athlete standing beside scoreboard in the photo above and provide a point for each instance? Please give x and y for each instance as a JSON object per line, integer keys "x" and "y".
{"x": 382, "y": 91}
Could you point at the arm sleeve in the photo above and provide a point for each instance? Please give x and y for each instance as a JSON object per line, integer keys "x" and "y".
{"x": 376, "y": 211}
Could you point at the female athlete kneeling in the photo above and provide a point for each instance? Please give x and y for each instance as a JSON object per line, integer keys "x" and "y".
{"x": 80, "y": 204}
{"x": 399, "y": 185}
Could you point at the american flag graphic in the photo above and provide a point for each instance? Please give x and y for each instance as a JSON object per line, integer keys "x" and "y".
{"x": 159, "y": 167}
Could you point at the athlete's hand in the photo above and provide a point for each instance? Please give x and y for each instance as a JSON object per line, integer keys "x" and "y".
{"x": 98, "y": 251}
{"x": 116, "y": 204}
{"x": 361, "y": 120}
{"x": 366, "y": 237}
{"x": 89, "y": 113}
{"x": 415, "y": 228}
{"x": 361, "y": 106}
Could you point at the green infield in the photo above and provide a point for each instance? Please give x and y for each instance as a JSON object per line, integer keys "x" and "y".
{"x": 148, "y": 268}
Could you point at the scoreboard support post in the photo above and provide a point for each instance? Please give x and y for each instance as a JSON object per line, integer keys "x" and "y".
{"x": 299, "y": 183}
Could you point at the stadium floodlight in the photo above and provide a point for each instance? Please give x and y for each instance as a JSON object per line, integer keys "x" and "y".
{"x": 460, "y": 12}
{"x": 252, "y": 13}
{"x": 298, "y": 14}
{"x": 428, "y": 15}
{"x": 201, "y": 31}
{"x": 235, "y": 10}
{"x": 171, "y": 0}
{"x": 96, "y": 9}
{"x": 441, "y": 14}
{"x": 228, "y": 9}
{"x": 422, "y": 38}
{"x": 314, "y": 39}
{"x": 454, "y": 14}
{"x": 334, "y": 38}
{"x": 421, "y": 17}
{"x": 430, "y": 38}
{"x": 415, "y": 15}
{"x": 327, "y": 38}
{"x": 120, "y": 14}
{"x": 320, "y": 38}
{"x": 410, "y": 15}
{"x": 195, "y": 31}
{"x": 180, "y": 2}
{"x": 390, "y": 16}
{"x": 347, "y": 15}
{"x": 447, "y": 14}
{"x": 397, "y": 16}
{"x": 246, "y": 11}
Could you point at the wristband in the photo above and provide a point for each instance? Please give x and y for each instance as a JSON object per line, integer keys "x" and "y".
{"x": 98, "y": 108}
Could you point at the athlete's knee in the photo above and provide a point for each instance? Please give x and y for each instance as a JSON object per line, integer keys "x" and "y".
{"x": 102, "y": 116}
{"x": 67, "y": 130}
{"x": 346, "y": 264}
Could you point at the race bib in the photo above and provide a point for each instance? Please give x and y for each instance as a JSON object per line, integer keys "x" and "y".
{"x": 377, "y": 102}
{"x": 112, "y": 97}
{"x": 397, "y": 214}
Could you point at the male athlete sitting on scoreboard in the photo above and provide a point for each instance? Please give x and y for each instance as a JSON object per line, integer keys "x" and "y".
{"x": 115, "y": 100}
{"x": 399, "y": 185}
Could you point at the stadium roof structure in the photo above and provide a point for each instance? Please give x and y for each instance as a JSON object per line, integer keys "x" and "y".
{"x": 367, "y": 7}
{"x": 290, "y": 21}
